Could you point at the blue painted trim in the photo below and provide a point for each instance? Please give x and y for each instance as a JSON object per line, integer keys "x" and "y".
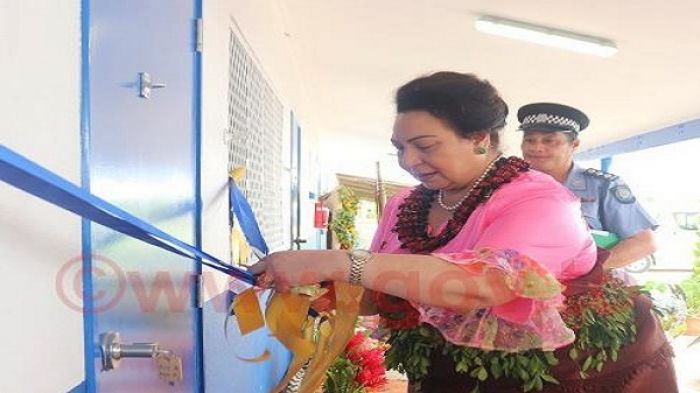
{"x": 89, "y": 348}
{"x": 197, "y": 323}
{"x": 676, "y": 133}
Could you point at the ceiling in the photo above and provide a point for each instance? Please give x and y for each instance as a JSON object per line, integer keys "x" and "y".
{"x": 355, "y": 53}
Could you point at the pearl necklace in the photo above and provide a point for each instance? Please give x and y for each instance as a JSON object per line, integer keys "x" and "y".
{"x": 454, "y": 207}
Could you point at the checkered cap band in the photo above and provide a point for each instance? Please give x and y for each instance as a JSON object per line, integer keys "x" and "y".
{"x": 554, "y": 120}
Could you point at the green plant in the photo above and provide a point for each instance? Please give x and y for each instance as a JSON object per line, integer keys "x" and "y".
{"x": 343, "y": 221}
{"x": 340, "y": 377}
{"x": 691, "y": 288}
{"x": 691, "y": 285}
{"x": 602, "y": 317}
{"x": 669, "y": 303}
{"x": 410, "y": 351}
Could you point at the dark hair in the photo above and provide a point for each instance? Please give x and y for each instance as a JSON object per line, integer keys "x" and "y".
{"x": 467, "y": 103}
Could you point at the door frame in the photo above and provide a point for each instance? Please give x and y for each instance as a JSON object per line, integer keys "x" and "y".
{"x": 91, "y": 348}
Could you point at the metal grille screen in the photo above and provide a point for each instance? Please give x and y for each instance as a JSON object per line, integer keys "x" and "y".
{"x": 255, "y": 117}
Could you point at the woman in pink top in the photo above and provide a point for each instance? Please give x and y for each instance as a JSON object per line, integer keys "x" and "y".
{"x": 466, "y": 269}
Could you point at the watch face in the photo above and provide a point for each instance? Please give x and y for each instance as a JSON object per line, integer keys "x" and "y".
{"x": 360, "y": 254}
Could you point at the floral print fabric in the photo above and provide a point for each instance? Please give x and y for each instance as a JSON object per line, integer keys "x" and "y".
{"x": 530, "y": 321}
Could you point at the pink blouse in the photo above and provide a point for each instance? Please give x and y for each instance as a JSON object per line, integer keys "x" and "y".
{"x": 533, "y": 232}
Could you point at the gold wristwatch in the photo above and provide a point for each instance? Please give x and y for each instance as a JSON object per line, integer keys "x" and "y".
{"x": 359, "y": 258}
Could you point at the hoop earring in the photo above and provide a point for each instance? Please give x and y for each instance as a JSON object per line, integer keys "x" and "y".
{"x": 480, "y": 150}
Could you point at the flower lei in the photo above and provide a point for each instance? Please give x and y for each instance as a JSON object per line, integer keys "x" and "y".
{"x": 412, "y": 220}
{"x": 412, "y": 223}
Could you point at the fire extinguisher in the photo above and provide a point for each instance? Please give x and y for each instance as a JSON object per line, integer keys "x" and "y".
{"x": 320, "y": 216}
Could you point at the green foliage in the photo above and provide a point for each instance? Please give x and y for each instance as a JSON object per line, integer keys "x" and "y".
{"x": 691, "y": 285}
{"x": 601, "y": 338}
{"x": 411, "y": 349}
{"x": 672, "y": 319}
{"x": 603, "y": 319}
{"x": 343, "y": 222}
{"x": 340, "y": 377}
{"x": 691, "y": 288}
{"x": 669, "y": 304}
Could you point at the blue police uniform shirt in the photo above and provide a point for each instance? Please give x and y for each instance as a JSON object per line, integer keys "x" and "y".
{"x": 607, "y": 202}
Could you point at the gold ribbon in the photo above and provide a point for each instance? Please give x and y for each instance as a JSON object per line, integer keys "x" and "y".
{"x": 247, "y": 310}
{"x": 287, "y": 319}
{"x": 340, "y": 328}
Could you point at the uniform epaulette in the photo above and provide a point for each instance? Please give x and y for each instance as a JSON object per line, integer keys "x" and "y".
{"x": 600, "y": 174}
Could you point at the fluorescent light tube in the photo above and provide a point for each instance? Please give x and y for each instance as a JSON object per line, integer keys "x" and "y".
{"x": 542, "y": 35}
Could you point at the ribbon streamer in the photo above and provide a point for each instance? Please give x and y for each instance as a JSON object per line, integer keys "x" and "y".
{"x": 286, "y": 314}
{"x": 40, "y": 182}
{"x": 246, "y": 219}
{"x": 335, "y": 336}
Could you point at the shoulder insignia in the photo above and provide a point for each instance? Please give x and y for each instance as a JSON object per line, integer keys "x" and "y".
{"x": 623, "y": 194}
{"x": 600, "y": 174}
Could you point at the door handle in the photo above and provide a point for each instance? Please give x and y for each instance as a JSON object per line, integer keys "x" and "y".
{"x": 112, "y": 351}
{"x": 146, "y": 85}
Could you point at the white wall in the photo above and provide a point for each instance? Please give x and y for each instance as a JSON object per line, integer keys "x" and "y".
{"x": 262, "y": 27}
{"x": 215, "y": 235}
{"x": 310, "y": 184}
{"x": 39, "y": 118}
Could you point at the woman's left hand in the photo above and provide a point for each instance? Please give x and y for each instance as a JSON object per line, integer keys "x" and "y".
{"x": 287, "y": 269}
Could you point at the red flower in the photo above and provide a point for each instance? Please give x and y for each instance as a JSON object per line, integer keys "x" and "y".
{"x": 355, "y": 341}
{"x": 368, "y": 356}
{"x": 364, "y": 377}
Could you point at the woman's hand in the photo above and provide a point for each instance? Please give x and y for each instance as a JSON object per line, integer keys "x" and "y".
{"x": 287, "y": 269}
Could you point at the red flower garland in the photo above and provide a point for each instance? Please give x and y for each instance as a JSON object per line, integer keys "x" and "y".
{"x": 412, "y": 221}
{"x": 412, "y": 229}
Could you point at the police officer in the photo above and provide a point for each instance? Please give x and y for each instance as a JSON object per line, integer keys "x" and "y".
{"x": 550, "y": 138}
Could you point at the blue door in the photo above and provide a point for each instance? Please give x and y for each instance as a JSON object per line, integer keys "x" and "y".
{"x": 140, "y": 115}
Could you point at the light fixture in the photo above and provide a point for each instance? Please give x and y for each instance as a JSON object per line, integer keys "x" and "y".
{"x": 546, "y": 36}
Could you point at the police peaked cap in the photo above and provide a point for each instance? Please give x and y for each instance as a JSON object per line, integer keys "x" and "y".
{"x": 544, "y": 116}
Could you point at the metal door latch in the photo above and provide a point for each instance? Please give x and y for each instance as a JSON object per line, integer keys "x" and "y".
{"x": 146, "y": 85}
{"x": 112, "y": 351}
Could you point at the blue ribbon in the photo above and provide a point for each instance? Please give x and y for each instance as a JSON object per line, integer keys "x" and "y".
{"x": 246, "y": 219}
{"x": 38, "y": 181}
